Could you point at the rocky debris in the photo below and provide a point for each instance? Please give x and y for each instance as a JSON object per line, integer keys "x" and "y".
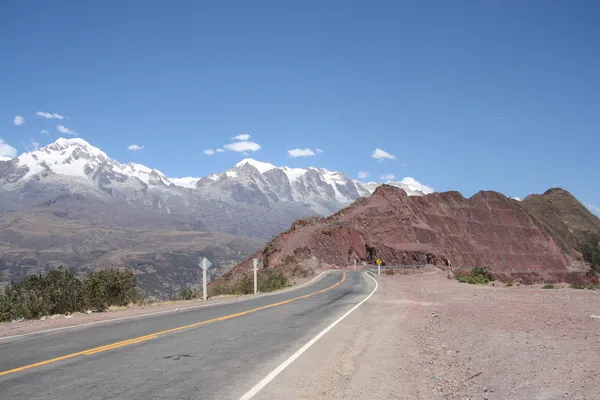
{"x": 442, "y": 229}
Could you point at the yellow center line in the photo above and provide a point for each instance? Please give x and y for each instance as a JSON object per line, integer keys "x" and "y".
{"x": 140, "y": 339}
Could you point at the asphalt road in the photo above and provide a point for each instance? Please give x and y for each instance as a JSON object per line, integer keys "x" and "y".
{"x": 223, "y": 358}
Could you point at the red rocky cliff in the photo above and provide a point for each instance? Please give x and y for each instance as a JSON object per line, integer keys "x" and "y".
{"x": 440, "y": 228}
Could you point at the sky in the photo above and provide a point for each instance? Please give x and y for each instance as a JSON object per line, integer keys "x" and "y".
{"x": 463, "y": 95}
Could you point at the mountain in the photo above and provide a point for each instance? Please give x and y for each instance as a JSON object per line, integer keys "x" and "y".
{"x": 409, "y": 185}
{"x": 252, "y": 198}
{"x": 563, "y": 217}
{"x": 445, "y": 229}
{"x": 70, "y": 204}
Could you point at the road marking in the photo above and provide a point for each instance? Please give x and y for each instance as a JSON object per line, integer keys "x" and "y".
{"x": 140, "y": 339}
{"x": 252, "y": 392}
{"x": 162, "y": 312}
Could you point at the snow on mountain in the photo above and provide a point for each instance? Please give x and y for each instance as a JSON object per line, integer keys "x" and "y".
{"x": 249, "y": 182}
{"x": 145, "y": 174}
{"x": 262, "y": 167}
{"x": 187, "y": 182}
{"x": 409, "y": 185}
{"x": 5, "y": 158}
{"x": 76, "y": 158}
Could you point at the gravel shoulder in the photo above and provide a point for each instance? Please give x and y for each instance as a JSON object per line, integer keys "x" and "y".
{"x": 427, "y": 337}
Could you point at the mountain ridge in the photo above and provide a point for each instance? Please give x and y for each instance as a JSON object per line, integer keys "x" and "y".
{"x": 443, "y": 229}
{"x": 54, "y": 158}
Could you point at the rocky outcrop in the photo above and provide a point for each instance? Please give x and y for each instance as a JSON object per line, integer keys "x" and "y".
{"x": 444, "y": 229}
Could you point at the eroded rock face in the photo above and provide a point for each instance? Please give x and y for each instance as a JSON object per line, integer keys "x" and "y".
{"x": 488, "y": 229}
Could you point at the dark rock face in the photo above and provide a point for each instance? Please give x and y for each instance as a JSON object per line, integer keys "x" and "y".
{"x": 443, "y": 229}
{"x": 277, "y": 179}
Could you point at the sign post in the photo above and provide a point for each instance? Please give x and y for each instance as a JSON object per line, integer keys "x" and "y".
{"x": 379, "y": 267}
{"x": 205, "y": 265}
{"x": 355, "y": 264}
{"x": 255, "y": 263}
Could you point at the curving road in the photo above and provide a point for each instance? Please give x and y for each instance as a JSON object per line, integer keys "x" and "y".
{"x": 225, "y": 351}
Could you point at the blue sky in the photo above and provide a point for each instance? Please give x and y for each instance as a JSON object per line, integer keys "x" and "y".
{"x": 467, "y": 95}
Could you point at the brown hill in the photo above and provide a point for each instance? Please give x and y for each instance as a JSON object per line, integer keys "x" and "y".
{"x": 443, "y": 229}
{"x": 563, "y": 217}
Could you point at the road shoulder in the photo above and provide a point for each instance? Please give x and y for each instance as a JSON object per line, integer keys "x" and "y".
{"x": 372, "y": 354}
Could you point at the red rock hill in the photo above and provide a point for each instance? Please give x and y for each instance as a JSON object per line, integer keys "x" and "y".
{"x": 440, "y": 228}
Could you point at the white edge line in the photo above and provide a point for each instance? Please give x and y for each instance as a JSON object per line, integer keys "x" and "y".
{"x": 260, "y": 385}
{"x": 160, "y": 312}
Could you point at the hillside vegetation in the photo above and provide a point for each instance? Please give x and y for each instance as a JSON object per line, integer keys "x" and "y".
{"x": 61, "y": 292}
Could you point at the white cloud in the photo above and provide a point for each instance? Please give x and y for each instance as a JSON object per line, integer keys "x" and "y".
{"x": 44, "y": 132}
{"x": 242, "y": 137}
{"x": 33, "y": 144}
{"x": 591, "y": 207}
{"x": 413, "y": 183}
{"x": 219, "y": 150}
{"x": 294, "y": 153}
{"x": 363, "y": 175}
{"x": 382, "y": 154}
{"x": 388, "y": 177}
{"x": 500, "y": 116}
{"x": 209, "y": 152}
{"x": 65, "y": 130}
{"x": 7, "y": 150}
{"x": 18, "y": 120}
{"x": 242, "y": 146}
{"x": 318, "y": 150}
{"x": 49, "y": 115}
{"x": 135, "y": 147}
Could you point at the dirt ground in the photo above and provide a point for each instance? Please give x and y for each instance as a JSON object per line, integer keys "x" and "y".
{"x": 423, "y": 337}
{"x": 497, "y": 342}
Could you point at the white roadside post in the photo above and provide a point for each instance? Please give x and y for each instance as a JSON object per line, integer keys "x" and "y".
{"x": 204, "y": 264}
{"x": 355, "y": 264}
{"x": 255, "y": 263}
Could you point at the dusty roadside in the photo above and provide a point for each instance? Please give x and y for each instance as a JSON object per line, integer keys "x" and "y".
{"x": 427, "y": 337}
{"x": 64, "y": 321}
{"x": 513, "y": 342}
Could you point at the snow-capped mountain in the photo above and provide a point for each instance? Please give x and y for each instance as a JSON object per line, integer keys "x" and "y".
{"x": 410, "y": 187}
{"x": 231, "y": 201}
{"x": 70, "y": 204}
{"x": 76, "y": 158}
{"x": 251, "y": 181}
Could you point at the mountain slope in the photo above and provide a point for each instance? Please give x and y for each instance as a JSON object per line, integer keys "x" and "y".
{"x": 443, "y": 229}
{"x": 164, "y": 260}
{"x": 564, "y": 218}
